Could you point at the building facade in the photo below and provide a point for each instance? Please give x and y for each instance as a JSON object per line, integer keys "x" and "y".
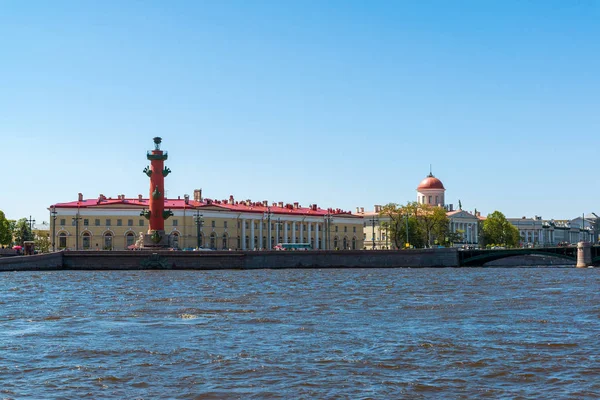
{"x": 116, "y": 223}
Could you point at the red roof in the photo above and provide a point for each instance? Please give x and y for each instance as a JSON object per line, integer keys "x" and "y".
{"x": 431, "y": 182}
{"x": 174, "y": 204}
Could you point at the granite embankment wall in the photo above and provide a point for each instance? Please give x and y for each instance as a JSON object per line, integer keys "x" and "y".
{"x": 38, "y": 262}
{"x": 126, "y": 260}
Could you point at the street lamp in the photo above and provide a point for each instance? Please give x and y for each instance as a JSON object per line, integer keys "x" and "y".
{"x": 268, "y": 215}
{"x": 327, "y": 218}
{"x": 373, "y": 219}
{"x": 53, "y": 217}
{"x": 199, "y": 222}
{"x": 76, "y": 219}
{"x": 407, "y": 240}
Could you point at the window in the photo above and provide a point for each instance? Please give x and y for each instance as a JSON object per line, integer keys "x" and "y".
{"x": 437, "y": 200}
{"x": 345, "y": 229}
{"x": 336, "y": 228}
{"x": 354, "y": 229}
{"x": 224, "y": 241}
{"x": 213, "y": 240}
{"x": 429, "y": 200}
{"x": 119, "y": 222}
{"x": 246, "y": 224}
{"x": 97, "y": 222}
{"x": 174, "y": 239}
{"x": 62, "y": 222}
{"x": 175, "y": 222}
{"x": 129, "y": 222}
{"x": 107, "y": 221}
{"x": 365, "y": 224}
{"x": 86, "y": 241}
{"x": 108, "y": 241}
{"x": 86, "y": 222}
{"x": 225, "y": 224}
{"x": 296, "y": 226}
{"x": 141, "y": 222}
{"x": 62, "y": 240}
{"x": 213, "y": 223}
{"x": 130, "y": 237}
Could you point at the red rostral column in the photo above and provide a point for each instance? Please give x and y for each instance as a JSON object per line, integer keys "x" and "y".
{"x": 157, "y": 173}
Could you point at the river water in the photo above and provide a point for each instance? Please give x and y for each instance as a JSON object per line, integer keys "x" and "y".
{"x": 269, "y": 334}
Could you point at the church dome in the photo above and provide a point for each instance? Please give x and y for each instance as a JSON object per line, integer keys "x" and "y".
{"x": 431, "y": 182}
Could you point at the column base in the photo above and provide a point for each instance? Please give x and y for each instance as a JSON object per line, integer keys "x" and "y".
{"x": 155, "y": 240}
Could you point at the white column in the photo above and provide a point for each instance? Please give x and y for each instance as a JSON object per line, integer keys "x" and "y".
{"x": 301, "y": 232}
{"x": 243, "y": 234}
{"x": 285, "y": 232}
{"x": 252, "y": 244}
{"x": 317, "y": 236}
{"x": 294, "y": 232}
{"x": 309, "y": 232}
{"x": 260, "y": 235}
{"x": 277, "y": 232}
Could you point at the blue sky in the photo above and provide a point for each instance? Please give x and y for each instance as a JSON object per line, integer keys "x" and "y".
{"x": 340, "y": 103}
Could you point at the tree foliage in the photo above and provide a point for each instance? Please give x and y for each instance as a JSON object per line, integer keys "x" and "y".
{"x": 22, "y": 232}
{"x": 497, "y": 230}
{"x": 5, "y": 230}
{"x": 416, "y": 224}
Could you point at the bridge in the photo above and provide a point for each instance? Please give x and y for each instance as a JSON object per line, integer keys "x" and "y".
{"x": 479, "y": 257}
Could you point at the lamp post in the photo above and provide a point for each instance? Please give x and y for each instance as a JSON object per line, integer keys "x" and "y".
{"x": 327, "y": 218}
{"x": 31, "y": 223}
{"x": 199, "y": 222}
{"x": 373, "y": 219}
{"x": 76, "y": 219}
{"x": 268, "y": 215}
{"x": 53, "y": 218}
{"x": 407, "y": 239}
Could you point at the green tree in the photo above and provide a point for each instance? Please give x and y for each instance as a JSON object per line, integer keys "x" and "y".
{"x": 22, "y": 232}
{"x": 497, "y": 230}
{"x": 434, "y": 224}
{"x": 42, "y": 242}
{"x": 6, "y": 233}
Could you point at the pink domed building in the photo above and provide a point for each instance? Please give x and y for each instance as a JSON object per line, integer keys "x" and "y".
{"x": 431, "y": 191}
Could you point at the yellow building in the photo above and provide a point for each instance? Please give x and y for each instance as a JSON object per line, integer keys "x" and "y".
{"x": 115, "y": 224}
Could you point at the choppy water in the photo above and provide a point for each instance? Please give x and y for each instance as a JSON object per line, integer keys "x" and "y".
{"x": 346, "y": 333}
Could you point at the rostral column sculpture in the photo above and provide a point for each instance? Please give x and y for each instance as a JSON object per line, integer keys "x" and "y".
{"x": 156, "y": 214}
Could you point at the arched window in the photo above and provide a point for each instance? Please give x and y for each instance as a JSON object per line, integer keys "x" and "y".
{"x": 108, "y": 242}
{"x": 213, "y": 240}
{"x": 345, "y": 241}
{"x": 354, "y": 243}
{"x": 247, "y": 242}
{"x": 264, "y": 242}
{"x": 62, "y": 240}
{"x": 312, "y": 243}
{"x": 224, "y": 237}
{"x": 320, "y": 244}
{"x": 239, "y": 242}
{"x": 86, "y": 240}
{"x": 174, "y": 240}
{"x": 130, "y": 239}
{"x": 335, "y": 243}
{"x": 255, "y": 242}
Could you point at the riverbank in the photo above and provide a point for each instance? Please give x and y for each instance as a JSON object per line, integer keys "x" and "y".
{"x": 136, "y": 260}
{"x": 133, "y": 260}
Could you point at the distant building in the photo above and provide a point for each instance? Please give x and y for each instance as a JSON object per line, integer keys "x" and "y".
{"x": 538, "y": 232}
